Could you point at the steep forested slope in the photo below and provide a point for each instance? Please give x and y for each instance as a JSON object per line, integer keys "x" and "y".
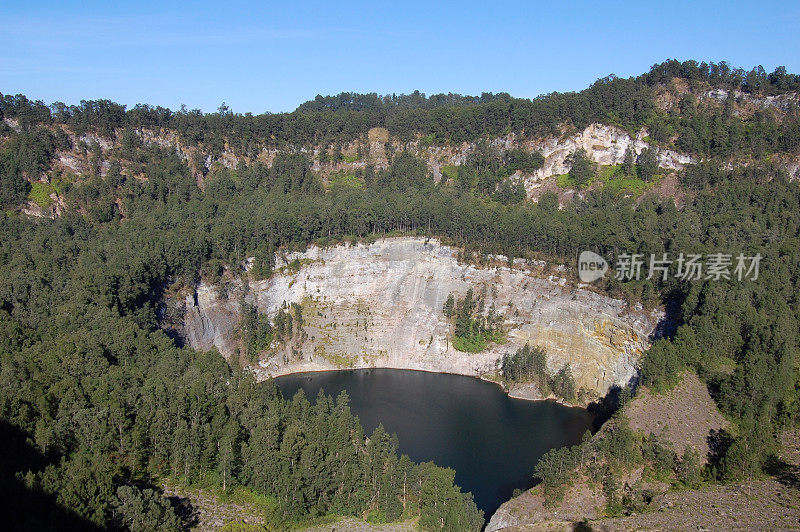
{"x": 113, "y": 405}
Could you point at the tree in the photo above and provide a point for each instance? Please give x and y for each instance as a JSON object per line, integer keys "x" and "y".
{"x": 648, "y": 163}
{"x": 528, "y": 364}
{"x": 563, "y": 384}
{"x": 22, "y": 161}
{"x": 224, "y": 110}
{"x": 473, "y": 329}
{"x": 449, "y": 306}
{"x": 548, "y": 202}
{"x": 747, "y": 455}
{"x": 406, "y": 171}
{"x": 229, "y": 455}
{"x": 442, "y": 506}
{"x": 555, "y": 468}
{"x": 628, "y": 161}
{"x": 690, "y": 468}
{"x": 13, "y": 187}
{"x": 519, "y": 159}
{"x": 582, "y": 169}
{"x": 144, "y": 510}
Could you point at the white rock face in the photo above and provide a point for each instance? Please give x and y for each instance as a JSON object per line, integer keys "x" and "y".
{"x": 91, "y": 139}
{"x": 604, "y": 145}
{"x": 380, "y": 305}
{"x": 211, "y": 321}
{"x": 782, "y": 102}
{"x": 12, "y": 123}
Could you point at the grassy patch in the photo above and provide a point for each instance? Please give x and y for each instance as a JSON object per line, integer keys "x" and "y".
{"x": 565, "y": 181}
{"x": 428, "y": 140}
{"x": 628, "y": 185}
{"x": 720, "y": 365}
{"x": 470, "y": 345}
{"x": 40, "y": 191}
{"x": 40, "y": 194}
{"x": 339, "y": 361}
{"x": 494, "y": 376}
{"x": 350, "y": 158}
{"x": 615, "y": 181}
{"x": 606, "y": 172}
{"x": 344, "y": 180}
{"x": 499, "y": 337}
{"x": 450, "y": 171}
{"x": 478, "y": 343}
{"x": 241, "y": 495}
{"x": 376, "y": 518}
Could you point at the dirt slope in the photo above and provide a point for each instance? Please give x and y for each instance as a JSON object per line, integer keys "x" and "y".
{"x": 684, "y": 416}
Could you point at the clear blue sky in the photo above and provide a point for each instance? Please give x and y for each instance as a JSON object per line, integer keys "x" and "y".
{"x": 265, "y": 56}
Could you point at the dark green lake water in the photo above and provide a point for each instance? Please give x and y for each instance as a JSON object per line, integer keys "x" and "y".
{"x": 492, "y": 441}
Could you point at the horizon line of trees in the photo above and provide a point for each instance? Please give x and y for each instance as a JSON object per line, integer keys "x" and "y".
{"x": 333, "y": 120}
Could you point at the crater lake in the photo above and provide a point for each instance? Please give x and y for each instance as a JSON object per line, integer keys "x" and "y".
{"x": 491, "y": 440}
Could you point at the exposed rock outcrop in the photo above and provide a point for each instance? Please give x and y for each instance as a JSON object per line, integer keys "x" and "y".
{"x": 380, "y": 305}
{"x": 604, "y": 144}
{"x": 782, "y": 102}
{"x": 211, "y": 321}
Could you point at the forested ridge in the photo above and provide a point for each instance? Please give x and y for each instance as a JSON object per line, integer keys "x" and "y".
{"x": 691, "y": 123}
{"x": 114, "y": 406}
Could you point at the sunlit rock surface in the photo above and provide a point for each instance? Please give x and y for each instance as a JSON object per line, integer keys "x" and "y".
{"x": 380, "y": 305}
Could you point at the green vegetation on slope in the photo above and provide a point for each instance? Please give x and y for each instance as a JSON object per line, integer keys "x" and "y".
{"x": 529, "y": 364}
{"x": 634, "y": 176}
{"x": 58, "y": 276}
{"x": 473, "y": 330}
{"x": 694, "y": 126}
{"x": 112, "y": 403}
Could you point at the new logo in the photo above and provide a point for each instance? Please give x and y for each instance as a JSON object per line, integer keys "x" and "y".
{"x": 591, "y": 266}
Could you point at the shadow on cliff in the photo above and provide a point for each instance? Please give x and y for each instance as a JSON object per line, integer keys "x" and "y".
{"x": 176, "y": 337}
{"x": 617, "y": 396}
{"x": 666, "y": 326}
{"x": 603, "y": 408}
{"x": 20, "y": 507}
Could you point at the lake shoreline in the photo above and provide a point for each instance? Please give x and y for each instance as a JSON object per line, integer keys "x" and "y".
{"x": 492, "y": 440}
{"x": 508, "y": 391}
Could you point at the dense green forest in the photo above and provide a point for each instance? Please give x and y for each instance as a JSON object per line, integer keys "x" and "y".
{"x": 112, "y": 405}
{"x": 691, "y": 125}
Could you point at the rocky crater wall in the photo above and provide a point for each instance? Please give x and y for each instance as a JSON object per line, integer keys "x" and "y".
{"x": 380, "y": 305}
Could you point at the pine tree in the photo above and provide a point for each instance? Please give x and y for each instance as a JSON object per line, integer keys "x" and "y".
{"x": 629, "y": 161}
